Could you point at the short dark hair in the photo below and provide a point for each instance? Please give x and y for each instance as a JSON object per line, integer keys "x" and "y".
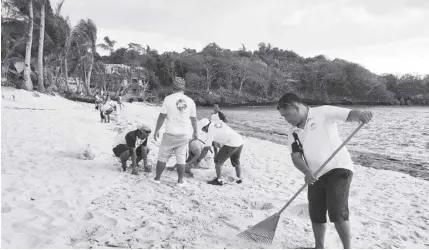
{"x": 287, "y": 100}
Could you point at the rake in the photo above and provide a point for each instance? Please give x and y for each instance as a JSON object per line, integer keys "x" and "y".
{"x": 264, "y": 231}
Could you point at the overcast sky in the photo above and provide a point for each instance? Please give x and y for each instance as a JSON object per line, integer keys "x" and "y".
{"x": 385, "y": 36}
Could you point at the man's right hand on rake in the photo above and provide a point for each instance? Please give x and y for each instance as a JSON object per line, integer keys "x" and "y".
{"x": 310, "y": 178}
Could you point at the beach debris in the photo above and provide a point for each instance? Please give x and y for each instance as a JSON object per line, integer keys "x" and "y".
{"x": 86, "y": 154}
{"x": 88, "y": 216}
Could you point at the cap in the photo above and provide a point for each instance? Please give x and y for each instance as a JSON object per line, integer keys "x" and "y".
{"x": 203, "y": 122}
{"x": 179, "y": 83}
{"x": 144, "y": 128}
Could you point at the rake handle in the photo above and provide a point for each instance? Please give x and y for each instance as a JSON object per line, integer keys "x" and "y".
{"x": 323, "y": 165}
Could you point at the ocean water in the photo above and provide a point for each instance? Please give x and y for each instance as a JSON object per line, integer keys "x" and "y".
{"x": 398, "y": 132}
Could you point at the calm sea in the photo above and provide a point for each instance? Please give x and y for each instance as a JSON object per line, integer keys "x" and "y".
{"x": 398, "y": 132}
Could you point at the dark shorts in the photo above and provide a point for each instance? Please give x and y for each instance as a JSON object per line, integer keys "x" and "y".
{"x": 109, "y": 111}
{"x": 226, "y": 152}
{"x": 121, "y": 148}
{"x": 330, "y": 193}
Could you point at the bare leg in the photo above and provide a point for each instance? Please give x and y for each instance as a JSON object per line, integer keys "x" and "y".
{"x": 238, "y": 170}
{"x": 144, "y": 153}
{"x": 124, "y": 158}
{"x": 343, "y": 229}
{"x": 160, "y": 166}
{"x": 180, "y": 172}
{"x": 319, "y": 230}
{"x": 218, "y": 167}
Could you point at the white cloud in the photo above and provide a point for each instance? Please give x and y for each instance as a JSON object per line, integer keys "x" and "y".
{"x": 156, "y": 41}
{"x": 347, "y": 28}
{"x": 293, "y": 20}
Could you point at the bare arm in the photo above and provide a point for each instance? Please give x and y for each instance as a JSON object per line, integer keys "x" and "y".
{"x": 299, "y": 162}
{"x": 133, "y": 157}
{"x": 193, "y": 160}
{"x": 203, "y": 153}
{"x": 161, "y": 119}
{"x": 301, "y": 165}
{"x": 359, "y": 116}
{"x": 195, "y": 127}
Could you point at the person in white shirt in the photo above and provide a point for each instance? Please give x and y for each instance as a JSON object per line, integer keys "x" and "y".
{"x": 108, "y": 107}
{"x": 312, "y": 140}
{"x": 119, "y": 101}
{"x": 179, "y": 112}
{"x": 98, "y": 100}
{"x": 232, "y": 146}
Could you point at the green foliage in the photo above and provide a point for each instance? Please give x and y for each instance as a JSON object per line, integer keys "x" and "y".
{"x": 213, "y": 74}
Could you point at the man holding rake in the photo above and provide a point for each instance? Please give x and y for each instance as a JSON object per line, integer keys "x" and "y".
{"x": 312, "y": 139}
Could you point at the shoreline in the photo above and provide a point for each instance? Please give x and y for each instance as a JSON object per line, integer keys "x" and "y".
{"x": 91, "y": 99}
{"x": 273, "y": 104}
{"x": 366, "y": 159}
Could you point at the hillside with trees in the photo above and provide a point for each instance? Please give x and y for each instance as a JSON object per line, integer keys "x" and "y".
{"x": 53, "y": 52}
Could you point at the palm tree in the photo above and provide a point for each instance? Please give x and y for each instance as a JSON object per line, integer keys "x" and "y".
{"x": 28, "y": 84}
{"x": 41, "y": 43}
{"x": 84, "y": 37}
{"x": 108, "y": 44}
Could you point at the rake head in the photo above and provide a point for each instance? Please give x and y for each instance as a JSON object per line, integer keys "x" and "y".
{"x": 263, "y": 232}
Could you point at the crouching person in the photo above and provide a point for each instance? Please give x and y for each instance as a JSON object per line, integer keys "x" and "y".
{"x": 195, "y": 147}
{"x": 125, "y": 148}
{"x": 232, "y": 145}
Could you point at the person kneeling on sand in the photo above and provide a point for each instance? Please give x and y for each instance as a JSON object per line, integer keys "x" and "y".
{"x": 195, "y": 147}
{"x": 232, "y": 145}
{"x": 125, "y": 148}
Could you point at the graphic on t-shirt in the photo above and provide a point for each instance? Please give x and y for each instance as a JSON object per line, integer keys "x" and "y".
{"x": 181, "y": 105}
{"x": 218, "y": 125}
{"x": 312, "y": 124}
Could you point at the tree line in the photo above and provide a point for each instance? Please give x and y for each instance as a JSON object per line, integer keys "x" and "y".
{"x": 213, "y": 74}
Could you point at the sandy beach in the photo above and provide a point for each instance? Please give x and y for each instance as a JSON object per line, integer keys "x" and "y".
{"x": 53, "y": 196}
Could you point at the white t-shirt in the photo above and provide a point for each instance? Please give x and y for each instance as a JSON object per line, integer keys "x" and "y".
{"x": 179, "y": 109}
{"x": 320, "y": 138}
{"x": 108, "y": 105}
{"x": 223, "y": 134}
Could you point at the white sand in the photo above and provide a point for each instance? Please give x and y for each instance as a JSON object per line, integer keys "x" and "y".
{"x": 53, "y": 199}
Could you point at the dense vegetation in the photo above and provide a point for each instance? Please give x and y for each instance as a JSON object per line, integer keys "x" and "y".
{"x": 213, "y": 74}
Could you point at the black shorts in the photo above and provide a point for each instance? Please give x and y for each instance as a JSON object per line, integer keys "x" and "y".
{"x": 330, "y": 193}
{"x": 121, "y": 148}
{"x": 226, "y": 152}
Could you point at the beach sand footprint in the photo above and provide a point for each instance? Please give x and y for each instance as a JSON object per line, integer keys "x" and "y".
{"x": 301, "y": 210}
{"x": 261, "y": 205}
